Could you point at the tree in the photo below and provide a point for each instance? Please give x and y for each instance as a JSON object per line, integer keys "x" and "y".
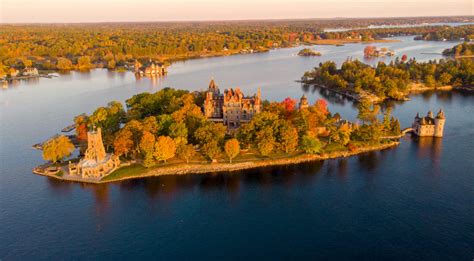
{"x": 147, "y": 143}
{"x": 367, "y": 111}
{"x": 445, "y": 78}
{"x": 404, "y": 58}
{"x": 232, "y": 149}
{"x": 288, "y": 139}
{"x": 211, "y": 150}
{"x": 64, "y": 64}
{"x": 81, "y": 127}
{"x": 310, "y": 144}
{"x": 57, "y": 148}
{"x": 165, "y": 148}
{"x": 149, "y": 161}
{"x": 84, "y": 63}
{"x": 185, "y": 152}
{"x": 369, "y": 51}
{"x": 123, "y": 142}
{"x": 265, "y": 141}
{"x": 210, "y": 132}
{"x": 321, "y": 106}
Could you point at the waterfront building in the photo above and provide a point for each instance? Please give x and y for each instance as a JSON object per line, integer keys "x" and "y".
{"x": 30, "y": 71}
{"x": 231, "y": 107}
{"x": 429, "y": 126}
{"x": 151, "y": 69}
{"x": 96, "y": 163}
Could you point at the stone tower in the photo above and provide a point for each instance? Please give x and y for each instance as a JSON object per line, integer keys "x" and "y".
{"x": 303, "y": 102}
{"x": 439, "y": 124}
{"x": 95, "y": 148}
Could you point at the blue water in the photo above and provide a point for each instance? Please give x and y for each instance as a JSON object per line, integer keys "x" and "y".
{"x": 413, "y": 202}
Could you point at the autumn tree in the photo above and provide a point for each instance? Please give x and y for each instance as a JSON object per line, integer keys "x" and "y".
{"x": 310, "y": 144}
{"x": 369, "y": 51}
{"x": 211, "y": 150}
{"x": 288, "y": 139}
{"x": 81, "y": 127}
{"x": 57, "y": 148}
{"x": 84, "y": 63}
{"x": 64, "y": 64}
{"x": 265, "y": 141}
{"x": 123, "y": 142}
{"x": 185, "y": 152}
{"x": 165, "y": 148}
{"x": 147, "y": 143}
{"x": 232, "y": 149}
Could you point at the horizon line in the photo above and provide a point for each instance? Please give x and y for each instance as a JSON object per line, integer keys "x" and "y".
{"x": 234, "y": 20}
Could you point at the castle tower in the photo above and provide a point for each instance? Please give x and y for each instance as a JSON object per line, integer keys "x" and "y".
{"x": 95, "y": 148}
{"x": 430, "y": 114}
{"x": 303, "y": 102}
{"x": 214, "y": 88}
{"x": 439, "y": 124}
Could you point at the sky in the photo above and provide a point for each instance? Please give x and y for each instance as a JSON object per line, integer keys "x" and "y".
{"x": 67, "y": 11}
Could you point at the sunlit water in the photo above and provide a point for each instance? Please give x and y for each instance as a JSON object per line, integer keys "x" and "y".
{"x": 412, "y": 202}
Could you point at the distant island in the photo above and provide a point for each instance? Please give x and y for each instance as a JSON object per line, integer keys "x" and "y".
{"x": 464, "y": 50}
{"x": 177, "y": 132}
{"x": 308, "y": 52}
{"x": 391, "y": 81}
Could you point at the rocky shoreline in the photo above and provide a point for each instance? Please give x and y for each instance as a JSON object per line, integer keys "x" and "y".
{"x": 189, "y": 169}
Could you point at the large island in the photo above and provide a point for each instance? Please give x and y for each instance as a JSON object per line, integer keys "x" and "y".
{"x": 176, "y": 132}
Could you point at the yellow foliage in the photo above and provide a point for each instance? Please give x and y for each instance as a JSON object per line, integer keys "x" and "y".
{"x": 57, "y": 148}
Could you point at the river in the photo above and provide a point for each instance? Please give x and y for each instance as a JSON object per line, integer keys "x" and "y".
{"x": 412, "y": 202}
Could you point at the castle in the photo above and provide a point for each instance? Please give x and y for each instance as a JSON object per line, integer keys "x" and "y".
{"x": 232, "y": 107}
{"x": 96, "y": 163}
{"x": 429, "y": 125}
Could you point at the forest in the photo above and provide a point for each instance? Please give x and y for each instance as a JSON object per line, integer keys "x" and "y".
{"x": 394, "y": 80}
{"x": 460, "y": 50}
{"x": 170, "y": 125}
{"x": 118, "y": 45}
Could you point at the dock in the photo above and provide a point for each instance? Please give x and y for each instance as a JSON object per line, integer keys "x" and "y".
{"x": 69, "y": 128}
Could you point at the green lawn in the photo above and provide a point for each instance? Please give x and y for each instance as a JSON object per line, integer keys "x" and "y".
{"x": 128, "y": 171}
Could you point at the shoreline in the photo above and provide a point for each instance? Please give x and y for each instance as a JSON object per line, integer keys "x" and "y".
{"x": 183, "y": 58}
{"x": 414, "y": 88}
{"x": 197, "y": 168}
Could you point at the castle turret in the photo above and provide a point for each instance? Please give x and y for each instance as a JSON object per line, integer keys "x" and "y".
{"x": 439, "y": 124}
{"x": 303, "y": 102}
{"x": 430, "y": 114}
{"x": 214, "y": 88}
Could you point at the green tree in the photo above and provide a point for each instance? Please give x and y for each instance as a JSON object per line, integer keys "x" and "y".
{"x": 310, "y": 144}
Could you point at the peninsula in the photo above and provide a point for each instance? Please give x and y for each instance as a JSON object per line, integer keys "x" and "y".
{"x": 177, "y": 132}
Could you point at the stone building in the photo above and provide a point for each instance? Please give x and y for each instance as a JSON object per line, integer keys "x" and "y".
{"x": 96, "y": 163}
{"x": 303, "y": 102}
{"x": 429, "y": 126}
{"x": 232, "y": 107}
{"x": 30, "y": 71}
{"x": 151, "y": 69}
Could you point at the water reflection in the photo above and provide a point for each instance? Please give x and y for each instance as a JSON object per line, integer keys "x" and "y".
{"x": 429, "y": 148}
